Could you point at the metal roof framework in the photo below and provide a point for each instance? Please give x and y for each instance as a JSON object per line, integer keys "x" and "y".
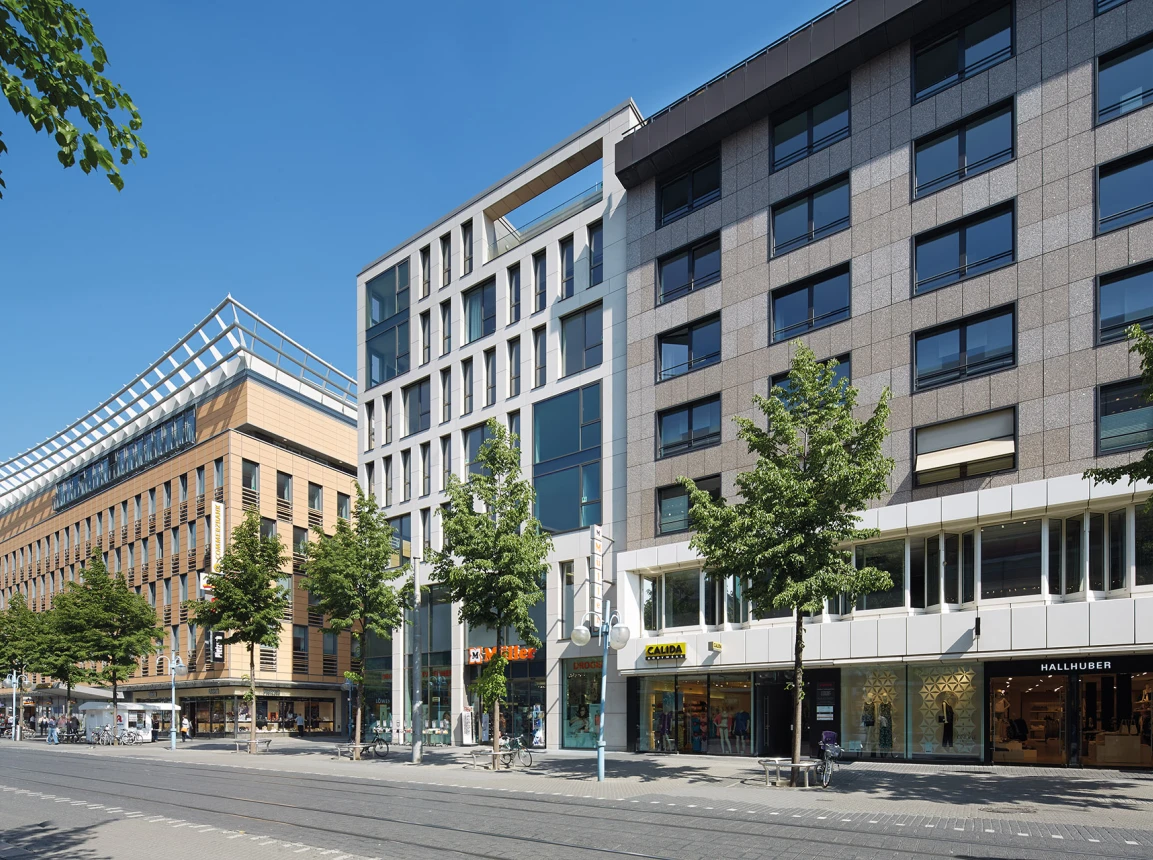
{"x": 230, "y": 340}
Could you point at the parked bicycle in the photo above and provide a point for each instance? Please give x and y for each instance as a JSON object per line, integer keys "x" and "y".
{"x": 378, "y": 746}
{"x": 830, "y": 752}
{"x": 511, "y": 748}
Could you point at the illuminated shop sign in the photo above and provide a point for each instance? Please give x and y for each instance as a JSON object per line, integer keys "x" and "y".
{"x": 165, "y": 439}
{"x": 512, "y": 653}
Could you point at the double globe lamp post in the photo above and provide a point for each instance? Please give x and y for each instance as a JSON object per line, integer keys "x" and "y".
{"x": 175, "y": 667}
{"x": 613, "y": 635}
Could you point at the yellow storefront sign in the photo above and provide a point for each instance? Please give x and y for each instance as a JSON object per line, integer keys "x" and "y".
{"x": 667, "y": 651}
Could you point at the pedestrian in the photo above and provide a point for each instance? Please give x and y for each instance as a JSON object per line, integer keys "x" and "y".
{"x": 300, "y": 725}
{"x": 61, "y": 726}
{"x": 184, "y": 727}
{"x": 50, "y": 730}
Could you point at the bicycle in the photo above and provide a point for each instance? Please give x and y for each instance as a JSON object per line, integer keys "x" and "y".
{"x": 512, "y": 748}
{"x": 378, "y": 746}
{"x": 830, "y": 752}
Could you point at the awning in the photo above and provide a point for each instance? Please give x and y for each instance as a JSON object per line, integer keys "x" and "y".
{"x": 973, "y": 453}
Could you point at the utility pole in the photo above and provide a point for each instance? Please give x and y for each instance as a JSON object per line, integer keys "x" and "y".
{"x": 417, "y": 671}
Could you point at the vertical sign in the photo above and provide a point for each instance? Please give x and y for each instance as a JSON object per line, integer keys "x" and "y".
{"x": 596, "y": 574}
{"x": 217, "y": 547}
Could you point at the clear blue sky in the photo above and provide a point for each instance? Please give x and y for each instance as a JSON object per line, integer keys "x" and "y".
{"x": 291, "y": 144}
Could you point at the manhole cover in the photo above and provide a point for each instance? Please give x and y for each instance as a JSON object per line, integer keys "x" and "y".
{"x": 1009, "y": 809}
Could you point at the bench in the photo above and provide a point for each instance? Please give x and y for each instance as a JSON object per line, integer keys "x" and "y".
{"x": 345, "y": 750}
{"x": 806, "y": 766}
{"x": 262, "y": 744}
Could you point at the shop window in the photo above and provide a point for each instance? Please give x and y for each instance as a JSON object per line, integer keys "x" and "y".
{"x": 811, "y": 130}
{"x": 582, "y": 696}
{"x": 888, "y": 556}
{"x": 873, "y": 711}
{"x": 811, "y": 216}
{"x": 1011, "y": 560}
{"x": 964, "y": 249}
{"x": 963, "y": 53}
{"x": 966, "y": 447}
{"x": 567, "y": 459}
{"x": 972, "y": 146}
{"x": 1124, "y": 298}
{"x": 946, "y": 705}
{"x": 1124, "y": 417}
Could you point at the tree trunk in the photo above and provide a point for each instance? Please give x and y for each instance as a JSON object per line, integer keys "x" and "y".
{"x": 251, "y": 698}
{"x": 798, "y": 695}
{"x": 115, "y": 712}
{"x": 356, "y": 738}
{"x": 68, "y": 698}
{"x": 496, "y": 709}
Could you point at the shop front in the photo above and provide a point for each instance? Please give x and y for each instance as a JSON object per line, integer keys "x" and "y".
{"x": 523, "y": 714}
{"x": 581, "y": 703}
{"x": 222, "y": 712}
{"x": 705, "y": 713}
{"x": 1091, "y": 711}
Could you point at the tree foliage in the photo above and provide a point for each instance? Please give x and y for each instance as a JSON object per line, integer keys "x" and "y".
{"x": 817, "y": 464}
{"x": 62, "y": 651}
{"x": 20, "y": 636}
{"x": 493, "y": 558}
{"x": 51, "y": 67}
{"x": 351, "y": 575}
{"x": 247, "y": 603}
{"x": 1141, "y": 343}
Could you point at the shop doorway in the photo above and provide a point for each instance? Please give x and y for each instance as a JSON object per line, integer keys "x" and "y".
{"x": 778, "y": 711}
{"x": 1027, "y": 719}
{"x": 1116, "y": 730}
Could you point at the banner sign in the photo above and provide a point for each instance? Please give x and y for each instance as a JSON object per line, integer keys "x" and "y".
{"x": 215, "y": 647}
{"x": 216, "y": 548}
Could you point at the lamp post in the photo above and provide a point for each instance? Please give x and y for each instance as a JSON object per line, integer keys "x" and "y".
{"x": 417, "y": 670}
{"x": 175, "y": 667}
{"x": 15, "y": 680}
{"x": 347, "y": 687}
{"x": 612, "y": 634}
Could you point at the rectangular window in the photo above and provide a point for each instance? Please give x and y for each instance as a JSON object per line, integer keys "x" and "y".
{"x": 249, "y": 479}
{"x": 446, "y": 327}
{"x": 690, "y": 269}
{"x": 1124, "y": 298}
{"x": 963, "y": 249}
{"x": 387, "y": 401}
{"x": 183, "y": 486}
{"x": 387, "y": 294}
{"x": 387, "y": 324}
{"x": 1143, "y": 545}
{"x": 300, "y": 638}
{"x": 1125, "y": 80}
{"x": 1124, "y": 417}
{"x": 466, "y": 385}
{"x": 1116, "y": 550}
{"x": 567, "y": 459}
{"x": 514, "y": 428}
{"x": 581, "y": 339}
{"x": 388, "y": 354}
{"x": 1125, "y": 191}
{"x": 387, "y": 468}
{"x": 966, "y": 447}
{"x": 682, "y": 598}
{"x": 964, "y": 149}
{"x": 151, "y": 503}
{"x": 490, "y": 377}
{"x": 417, "y": 406}
{"x": 425, "y": 271}
{"x": 167, "y": 494}
{"x": 1011, "y": 560}
{"x": 540, "y": 357}
{"x": 329, "y": 644}
{"x": 315, "y": 497}
{"x": 1106, "y": 5}
{"x": 811, "y": 216}
{"x": 370, "y": 425}
{"x": 843, "y": 371}
{"x": 567, "y": 268}
{"x": 426, "y": 530}
{"x": 445, "y": 460}
{"x": 217, "y": 474}
{"x": 811, "y": 304}
{"x": 513, "y": 294}
{"x": 966, "y": 348}
{"x": 370, "y": 475}
{"x": 343, "y": 506}
{"x": 540, "y": 279}
{"x": 425, "y": 337}
{"x": 401, "y": 540}
{"x": 889, "y": 556}
{"x": 406, "y": 475}
{"x": 283, "y": 487}
{"x": 446, "y": 259}
{"x": 673, "y": 504}
{"x": 596, "y": 253}
{"x": 810, "y": 130}
{"x": 963, "y": 53}
{"x": 568, "y": 598}
{"x": 480, "y": 311}
{"x": 199, "y": 490}
{"x": 688, "y": 191}
{"x": 425, "y": 469}
{"x": 445, "y": 394}
{"x": 466, "y": 248}
{"x": 514, "y": 367}
{"x": 689, "y": 347}
{"x": 688, "y": 428}
{"x": 474, "y": 438}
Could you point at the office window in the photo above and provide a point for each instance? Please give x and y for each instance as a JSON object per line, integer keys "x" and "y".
{"x": 300, "y": 638}
{"x": 343, "y": 505}
{"x": 964, "y": 448}
{"x": 540, "y": 279}
{"x": 889, "y": 556}
{"x": 182, "y": 483}
{"x": 426, "y": 530}
{"x": 466, "y": 248}
{"x": 811, "y": 216}
{"x": 417, "y": 406}
{"x": 466, "y": 384}
{"x": 445, "y": 394}
{"x": 490, "y": 377}
{"x": 387, "y": 294}
{"x": 406, "y": 474}
{"x": 446, "y": 327}
{"x": 513, "y": 294}
{"x": 1124, "y": 298}
{"x": 682, "y": 598}
{"x": 388, "y": 354}
{"x": 690, "y": 427}
{"x": 445, "y": 460}
{"x": 267, "y": 530}
{"x": 1011, "y": 560}
{"x": 151, "y": 505}
{"x": 813, "y": 303}
{"x": 387, "y": 468}
{"x": 1125, "y": 80}
{"x": 425, "y": 468}
{"x": 567, "y": 459}
{"x": 965, "y": 348}
{"x": 843, "y": 371}
{"x": 688, "y": 191}
{"x": 217, "y": 473}
{"x": 446, "y": 259}
{"x": 401, "y": 540}
{"x": 568, "y": 598}
{"x": 191, "y": 536}
{"x": 567, "y": 268}
{"x": 540, "y": 357}
{"x": 284, "y": 487}
{"x": 964, "y": 149}
{"x": 199, "y": 490}
{"x": 387, "y": 401}
{"x": 425, "y": 337}
{"x": 514, "y": 367}
{"x": 425, "y": 271}
{"x": 1124, "y": 417}
{"x": 167, "y": 496}
{"x": 689, "y": 347}
{"x": 810, "y": 130}
{"x": 1125, "y": 191}
{"x": 315, "y": 497}
{"x": 581, "y": 338}
{"x": 474, "y": 438}
{"x": 249, "y": 480}
{"x": 690, "y": 269}
{"x": 370, "y": 475}
{"x": 964, "y": 249}
{"x": 387, "y": 324}
{"x": 596, "y": 253}
{"x": 673, "y": 504}
{"x": 963, "y": 53}
{"x": 514, "y": 428}
{"x": 370, "y": 425}
{"x": 480, "y": 311}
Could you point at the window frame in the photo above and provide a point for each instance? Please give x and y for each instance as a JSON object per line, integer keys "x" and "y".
{"x": 694, "y": 203}
{"x": 466, "y": 248}
{"x": 567, "y": 268}
{"x": 962, "y": 224}
{"x": 961, "y": 128}
{"x": 586, "y": 348}
{"x": 661, "y": 532}
{"x": 1100, "y": 8}
{"x": 596, "y": 245}
{"x": 423, "y": 390}
{"x": 962, "y": 324}
{"x": 446, "y": 260}
{"x": 489, "y": 357}
{"x": 1113, "y": 277}
{"x": 661, "y": 415}
{"x": 467, "y": 381}
{"x": 1144, "y": 41}
{"x": 1114, "y": 166}
{"x": 694, "y": 364}
{"x": 963, "y": 74}
{"x": 1098, "y": 402}
{"x": 582, "y": 458}
{"x": 807, "y": 283}
{"x": 540, "y": 280}
{"x": 811, "y": 237}
{"x": 514, "y": 369}
{"x": 964, "y": 470}
{"x": 512, "y": 283}
{"x": 826, "y": 94}
{"x": 487, "y": 293}
{"x": 694, "y": 284}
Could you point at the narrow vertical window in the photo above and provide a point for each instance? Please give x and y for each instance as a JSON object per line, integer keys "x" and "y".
{"x": 514, "y": 294}
{"x": 445, "y": 460}
{"x": 446, "y": 394}
{"x": 425, "y": 271}
{"x": 514, "y": 367}
{"x": 540, "y": 279}
{"x": 466, "y": 248}
{"x": 466, "y": 384}
{"x": 425, "y": 338}
{"x": 446, "y": 327}
{"x": 596, "y": 253}
{"x": 489, "y": 377}
{"x": 539, "y": 357}
{"x": 425, "y": 469}
{"x": 567, "y": 271}
{"x": 446, "y": 259}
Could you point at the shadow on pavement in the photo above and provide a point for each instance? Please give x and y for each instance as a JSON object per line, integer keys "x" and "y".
{"x": 46, "y": 840}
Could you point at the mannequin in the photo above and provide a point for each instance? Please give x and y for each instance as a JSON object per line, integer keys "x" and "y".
{"x": 721, "y": 720}
{"x": 946, "y": 717}
{"x": 741, "y": 721}
{"x": 885, "y": 725}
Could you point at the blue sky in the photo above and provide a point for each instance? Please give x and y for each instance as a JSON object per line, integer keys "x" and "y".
{"x": 288, "y": 150}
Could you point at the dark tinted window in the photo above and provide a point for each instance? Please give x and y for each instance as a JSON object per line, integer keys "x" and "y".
{"x": 686, "y": 428}
{"x": 1125, "y": 298}
{"x": 581, "y": 336}
{"x": 812, "y": 216}
{"x": 815, "y": 302}
{"x": 1106, "y": 5}
{"x": 888, "y": 556}
{"x": 474, "y": 437}
{"x": 1125, "y": 192}
{"x": 690, "y": 269}
{"x": 977, "y": 145}
{"x": 673, "y": 504}
{"x": 1125, "y": 417}
{"x": 690, "y": 347}
{"x": 1125, "y": 80}
{"x": 843, "y": 370}
{"x": 964, "y": 53}
{"x": 966, "y": 348}
{"x": 966, "y": 248}
{"x": 811, "y": 130}
{"x": 387, "y": 294}
{"x": 1011, "y": 560}
{"x": 566, "y": 459}
{"x": 388, "y": 353}
{"x": 480, "y": 311}
{"x": 690, "y": 190}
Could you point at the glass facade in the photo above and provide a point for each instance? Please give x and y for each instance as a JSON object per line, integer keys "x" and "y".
{"x": 704, "y": 714}
{"x": 566, "y": 459}
{"x": 580, "y": 717}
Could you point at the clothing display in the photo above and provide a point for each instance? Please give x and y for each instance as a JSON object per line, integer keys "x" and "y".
{"x": 885, "y": 734}
{"x": 946, "y": 718}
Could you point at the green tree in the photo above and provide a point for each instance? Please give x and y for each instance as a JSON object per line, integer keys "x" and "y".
{"x": 62, "y": 650}
{"x": 350, "y": 575}
{"x": 1141, "y": 343}
{"x": 816, "y": 465}
{"x": 52, "y": 64}
{"x": 493, "y": 559}
{"x": 117, "y": 625}
{"x": 19, "y": 636}
{"x": 247, "y": 600}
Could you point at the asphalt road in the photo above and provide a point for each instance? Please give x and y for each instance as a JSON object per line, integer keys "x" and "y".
{"x": 85, "y": 807}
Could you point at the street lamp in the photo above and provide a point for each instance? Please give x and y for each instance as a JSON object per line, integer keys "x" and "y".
{"x": 347, "y": 687}
{"x": 612, "y": 634}
{"x": 175, "y": 667}
{"x": 15, "y": 680}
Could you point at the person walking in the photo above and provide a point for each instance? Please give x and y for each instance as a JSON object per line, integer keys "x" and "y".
{"x": 300, "y": 725}
{"x": 61, "y": 726}
{"x": 50, "y": 730}
{"x": 184, "y": 727}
